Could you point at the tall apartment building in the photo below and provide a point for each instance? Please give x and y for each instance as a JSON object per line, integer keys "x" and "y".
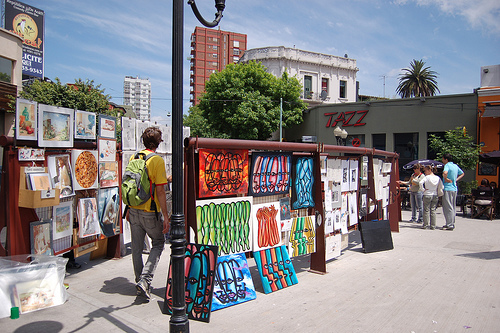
{"x": 137, "y": 93}
{"x": 211, "y": 51}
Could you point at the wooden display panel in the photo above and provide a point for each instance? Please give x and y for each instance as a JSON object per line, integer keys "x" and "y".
{"x": 80, "y": 250}
{"x": 33, "y": 199}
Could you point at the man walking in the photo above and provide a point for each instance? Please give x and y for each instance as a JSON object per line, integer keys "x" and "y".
{"x": 145, "y": 220}
{"x": 451, "y": 174}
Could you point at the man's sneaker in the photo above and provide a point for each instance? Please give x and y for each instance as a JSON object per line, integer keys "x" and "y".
{"x": 143, "y": 289}
{"x": 445, "y": 227}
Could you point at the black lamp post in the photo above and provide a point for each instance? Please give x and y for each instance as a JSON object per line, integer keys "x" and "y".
{"x": 178, "y": 320}
{"x": 340, "y": 135}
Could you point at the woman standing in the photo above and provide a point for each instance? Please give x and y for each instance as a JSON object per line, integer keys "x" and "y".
{"x": 430, "y": 184}
{"x": 416, "y": 193}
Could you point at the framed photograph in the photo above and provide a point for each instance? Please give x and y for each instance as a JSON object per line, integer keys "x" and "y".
{"x": 139, "y": 129}
{"x": 85, "y": 125}
{"x": 61, "y": 176}
{"x": 26, "y": 120}
{"x": 41, "y": 237}
{"x": 88, "y": 220}
{"x": 62, "y": 220}
{"x": 108, "y": 203}
{"x": 108, "y": 174}
{"x": 56, "y": 126}
{"x": 107, "y": 150}
{"x": 107, "y": 126}
{"x": 126, "y": 155}
{"x": 165, "y": 145}
{"x": 31, "y": 154}
{"x": 39, "y": 181}
{"x": 128, "y": 133}
{"x": 85, "y": 169}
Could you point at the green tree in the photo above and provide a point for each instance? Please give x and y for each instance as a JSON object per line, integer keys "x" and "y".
{"x": 243, "y": 102}
{"x": 83, "y": 95}
{"x": 460, "y": 145}
{"x": 199, "y": 125}
{"x": 417, "y": 81}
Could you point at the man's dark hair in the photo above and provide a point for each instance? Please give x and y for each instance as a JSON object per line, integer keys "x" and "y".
{"x": 448, "y": 157}
{"x": 151, "y": 137}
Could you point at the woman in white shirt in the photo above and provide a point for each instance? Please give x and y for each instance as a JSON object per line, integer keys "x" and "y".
{"x": 430, "y": 184}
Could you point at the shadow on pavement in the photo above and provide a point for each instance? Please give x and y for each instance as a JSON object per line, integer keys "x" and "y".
{"x": 119, "y": 285}
{"x": 482, "y": 255}
{"x": 41, "y": 326}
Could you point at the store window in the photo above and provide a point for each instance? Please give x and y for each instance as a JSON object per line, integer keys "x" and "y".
{"x": 324, "y": 85}
{"x": 307, "y": 86}
{"x": 343, "y": 89}
{"x": 406, "y": 145}
{"x": 355, "y": 140}
{"x": 5, "y": 70}
{"x": 378, "y": 141}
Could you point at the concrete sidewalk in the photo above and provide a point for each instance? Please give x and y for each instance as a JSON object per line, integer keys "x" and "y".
{"x": 433, "y": 281}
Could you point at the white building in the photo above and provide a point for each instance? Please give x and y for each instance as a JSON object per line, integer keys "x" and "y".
{"x": 137, "y": 93}
{"x": 325, "y": 78}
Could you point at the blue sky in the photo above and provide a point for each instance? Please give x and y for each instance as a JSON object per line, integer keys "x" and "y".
{"x": 106, "y": 40}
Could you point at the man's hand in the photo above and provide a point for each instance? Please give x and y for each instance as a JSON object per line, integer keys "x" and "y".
{"x": 166, "y": 224}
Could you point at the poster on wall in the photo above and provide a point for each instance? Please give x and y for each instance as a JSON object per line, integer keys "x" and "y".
{"x": 345, "y": 176}
{"x": 88, "y": 221}
{"x": 275, "y": 269}
{"x": 353, "y": 173}
{"x": 85, "y": 125}
{"x": 230, "y": 228}
{"x": 85, "y": 169}
{"x": 61, "y": 174}
{"x": 107, "y": 150}
{"x": 108, "y": 174}
{"x": 31, "y": 154}
{"x": 108, "y": 203}
{"x": 266, "y": 225}
{"x": 333, "y": 246}
{"x": 55, "y": 126}
{"x": 233, "y": 282}
{"x": 140, "y": 126}
{"x": 128, "y": 133}
{"x": 303, "y": 182}
{"x": 270, "y": 174}
{"x": 222, "y": 172}
{"x": 27, "y": 22}
{"x": 166, "y": 137}
{"x": 107, "y": 126}
{"x": 353, "y": 208}
{"x": 41, "y": 237}
{"x": 302, "y": 236}
{"x": 200, "y": 263}
{"x": 62, "y": 220}
{"x": 26, "y": 119}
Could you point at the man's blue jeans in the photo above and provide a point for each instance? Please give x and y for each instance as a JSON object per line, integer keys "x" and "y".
{"x": 417, "y": 204}
{"x": 142, "y": 223}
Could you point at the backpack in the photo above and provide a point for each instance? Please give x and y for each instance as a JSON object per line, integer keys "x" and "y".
{"x": 137, "y": 187}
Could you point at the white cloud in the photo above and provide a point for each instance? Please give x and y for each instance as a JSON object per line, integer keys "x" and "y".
{"x": 480, "y": 14}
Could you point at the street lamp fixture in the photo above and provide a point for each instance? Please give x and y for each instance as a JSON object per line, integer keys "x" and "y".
{"x": 179, "y": 321}
{"x": 340, "y": 135}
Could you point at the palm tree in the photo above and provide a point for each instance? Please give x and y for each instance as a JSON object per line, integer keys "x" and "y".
{"x": 417, "y": 81}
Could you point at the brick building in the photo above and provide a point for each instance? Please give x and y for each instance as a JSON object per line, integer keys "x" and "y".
{"x": 211, "y": 51}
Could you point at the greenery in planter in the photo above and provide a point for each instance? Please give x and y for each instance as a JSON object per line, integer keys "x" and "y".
{"x": 467, "y": 187}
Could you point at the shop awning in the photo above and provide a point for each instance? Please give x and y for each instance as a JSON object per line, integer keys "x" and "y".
{"x": 491, "y": 111}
